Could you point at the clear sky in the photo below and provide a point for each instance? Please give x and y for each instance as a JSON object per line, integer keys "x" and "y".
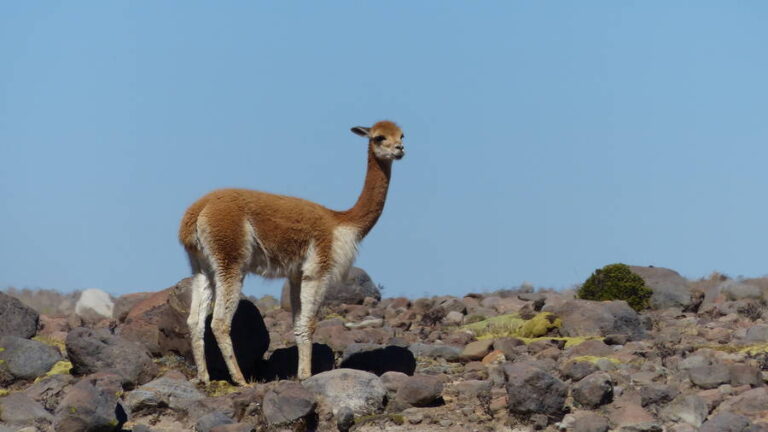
{"x": 545, "y": 139}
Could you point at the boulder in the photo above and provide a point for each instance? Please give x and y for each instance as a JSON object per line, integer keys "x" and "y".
{"x": 726, "y": 422}
{"x": 94, "y": 350}
{"x": 591, "y": 318}
{"x": 669, "y": 288}
{"x": 288, "y": 402}
{"x": 125, "y": 303}
{"x": 594, "y": 390}
{"x": 420, "y": 391}
{"x": 16, "y": 318}
{"x": 691, "y": 409}
{"x": 94, "y": 305}
{"x": 92, "y": 405}
{"x": 50, "y": 390}
{"x": 362, "y": 392}
{"x": 355, "y": 288}
{"x": 176, "y": 394}
{"x": 530, "y": 390}
{"x": 711, "y": 376}
{"x": 25, "y": 359}
{"x": 476, "y": 350}
{"x": 212, "y": 420}
{"x": 19, "y": 409}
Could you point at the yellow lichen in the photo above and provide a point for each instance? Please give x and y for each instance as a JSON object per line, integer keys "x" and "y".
{"x": 61, "y": 367}
{"x": 2, "y": 349}
{"x": 498, "y": 326}
{"x": 220, "y": 388}
{"x": 4, "y": 392}
{"x": 569, "y": 341}
{"x": 539, "y": 325}
{"x": 52, "y": 342}
{"x": 595, "y": 359}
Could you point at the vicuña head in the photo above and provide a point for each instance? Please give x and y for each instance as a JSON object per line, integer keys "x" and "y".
{"x": 231, "y": 232}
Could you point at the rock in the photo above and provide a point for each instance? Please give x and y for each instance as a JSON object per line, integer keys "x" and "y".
{"x": 392, "y": 382}
{"x": 92, "y": 405}
{"x": 589, "y": 318}
{"x": 593, "y": 348}
{"x": 50, "y": 390}
{"x": 690, "y": 409}
{"x": 708, "y": 377}
{"x": 94, "y": 305}
{"x": 670, "y": 290}
{"x": 288, "y": 402}
{"x": 20, "y": 410}
{"x": 354, "y": 290}
{"x": 750, "y": 403}
{"x": 589, "y": 422}
{"x": 96, "y": 350}
{"x": 509, "y": 346}
{"x": 16, "y": 318}
{"x": 176, "y": 394}
{"x": 577, "y": 370}
{"x": 125, "y": 303}
{"x": 657, "y": 394}
{"x": 476, "y": 350}
{"x": 741, "y": 290}
{"x": 453, "y": 318}
{"x": 25, "y": 359}
{"x": 742, "y": 374}
{"x": 594, "y": 390}
{"x": 361, "y": 391}
{"x": 234, "y": 427}
{"x": 446, "y": 352}
{"x": 615, "y": 339}
{"x": 211, "y": 420}
{"x": 452, "y": 304}
{"x": 630, "y": 417}
{"x": 530, "y": 390}
{"x": 757, "y": 333}
{"x": 378, "y": 359}
{"x": 726, "y": 422}
{"x": 420, "y": 391}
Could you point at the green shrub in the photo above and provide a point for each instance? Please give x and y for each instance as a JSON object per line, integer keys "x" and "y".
{"x": 616, "y": 282}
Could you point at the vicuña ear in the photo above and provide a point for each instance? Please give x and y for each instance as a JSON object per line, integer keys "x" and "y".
{"x": 362, "y": 131}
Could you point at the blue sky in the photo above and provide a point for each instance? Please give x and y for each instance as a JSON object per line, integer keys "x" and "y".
{"x": 545, "y": 139}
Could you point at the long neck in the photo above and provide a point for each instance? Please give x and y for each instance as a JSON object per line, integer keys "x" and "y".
{"x": 370, "y": 204}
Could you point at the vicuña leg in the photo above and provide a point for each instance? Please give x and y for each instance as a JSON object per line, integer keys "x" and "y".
{"x": 200, "y": 307}
{"x": 312, "y": 294}
{"x": 228, "y": 287}
{"x": 294, "y": 290}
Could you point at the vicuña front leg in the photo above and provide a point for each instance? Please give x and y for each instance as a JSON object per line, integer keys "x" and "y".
{"x": 312, "y": 294}
{"x": 228, "y": 288}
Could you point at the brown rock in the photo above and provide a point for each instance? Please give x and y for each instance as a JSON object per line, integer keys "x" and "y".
{"x": 476, "y": 350}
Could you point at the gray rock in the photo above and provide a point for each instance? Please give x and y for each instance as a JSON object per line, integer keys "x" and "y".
{"x": 392, "y": 382}
{"x": 446, "y": 352}
{"x": 594, "y": 390}
{"x": 690, "y": 409}
{"x": 234, "y": 427}
{"x": 452, "y": 304}
{"x": 354, "y": 290}
{"x": 577, "y": 370}
{"x": 19, "y": 409}
{"x": 176, "y": 394}
{"x": 92, "y": 405}
{"x": 345, "y": 419}
{"x": 453, "y": 318}
{"x": 590, "y": 318}
{"x": 50, "y": 390}
{"x": 708, "y": 377}
{"x": 16, "y": 318}
{"x": 420, "y": 391}
{"x": 657, "y": 394}
{"x": 590, "y": 422}
{"x": 750, "y": 403}
{"x": 726, "y": 422}
{"x": 93, "y": 350}
{"x": 757, "y": 333}
{"x": 288, "y": 402}
{"x": 742, "y": 374}
{"x": 212, "y": 420}
{"x": 530, "y": 390}
{"x": 361, "y": 391}
{"x": 669, "y": 288}
{"x": 25, "y": 359}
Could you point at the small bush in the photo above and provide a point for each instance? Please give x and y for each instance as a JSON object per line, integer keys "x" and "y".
{"x": 616, "y": 282}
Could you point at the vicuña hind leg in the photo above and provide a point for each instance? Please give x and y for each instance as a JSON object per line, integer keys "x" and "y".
{"x": 200, "y": 307}
{"x": 312, "y": 294}
{"x": 228, "y": 287}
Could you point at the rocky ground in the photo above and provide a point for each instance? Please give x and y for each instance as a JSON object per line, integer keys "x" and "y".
{"x": 514, "y": 360}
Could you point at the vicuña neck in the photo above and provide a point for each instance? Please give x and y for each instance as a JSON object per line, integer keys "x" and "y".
{"x": 370, "y": 204}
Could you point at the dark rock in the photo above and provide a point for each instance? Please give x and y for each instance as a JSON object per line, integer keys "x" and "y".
{"x": 577, "y": 370}
{"x": 726, "y": 422}
{"x": 20, "y": 410}
{"x": 211, "y": 420}
{"x": 16, "y": 318}
{"x": 590, "y": 422}
{"x": 615, "y": 339}
{"x": 530, "y": 390}
{"x": 669, "y": 288}
{"x": 92, "y": 405}
{"x": 657, "y": 394}
{"x": 94, "y": 350}
{"x": 284, "y": 362}
{"x": 361, "y": 391}
{"x": 50, "y": 390}
{"x": 420, "y": 391}
{"x": 353, "y": 290}
{"x": 234, "y": 427}
{"x": 125, "y": 303}
{"x": 379, "y": 359}
{"x": 711, "y": 376}
{"x": 345, "y": 419}
{"x": 589, "y": 318}
{"x": 288, "y": 402}
{"x": 25, "y": 359}
{"x": 446, "y": 352}
{"x": 594, "y": 390}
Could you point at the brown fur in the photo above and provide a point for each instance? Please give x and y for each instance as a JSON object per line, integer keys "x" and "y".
{"x": 215, "y": 233}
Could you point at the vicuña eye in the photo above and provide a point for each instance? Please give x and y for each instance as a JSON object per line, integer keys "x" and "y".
{"x": 379, "y": 138}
